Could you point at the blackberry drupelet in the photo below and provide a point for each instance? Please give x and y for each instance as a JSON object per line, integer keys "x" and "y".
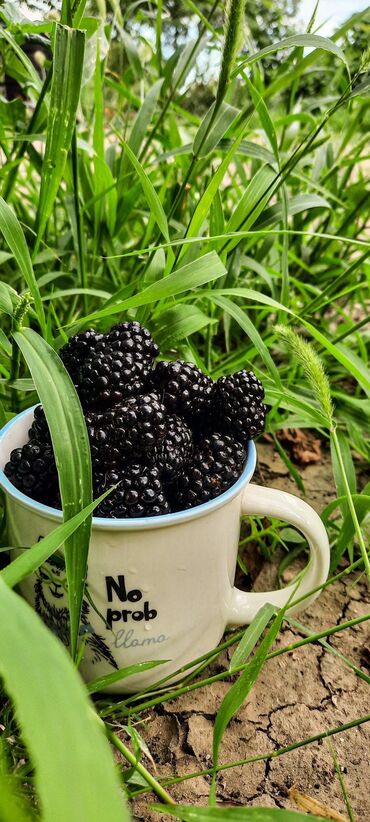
{"x": 132, "y": 338}
{"x": 39, "y": 429}
{"x": 33, "y": 471}
{"x": 78, "y": 349}
{"x": 215, "y": 467}
{"x": 238, "y": 404}
{"x": 140, "y": 493}
{"x": 176, "y": 449}
{"x": 127, "y": 430}
{"x": 184, "y": 389}
{"x": 111, "y": 377}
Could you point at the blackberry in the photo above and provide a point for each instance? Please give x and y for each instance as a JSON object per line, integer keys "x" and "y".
{"x": 176, "y": 449}
{"x": 140, "y": 493}
{"x": 32, "y": 469}
{"x": 111, "y": 376}
{"x": 127, "y": 430}
{"x": 238, "y": 404}
{"x": 132, "y": 338}
{"x": 78, "y": 349}
{"x": 216, "y": 466}
{"x": 184, "y": 389}
{"x": 39, "y": 429}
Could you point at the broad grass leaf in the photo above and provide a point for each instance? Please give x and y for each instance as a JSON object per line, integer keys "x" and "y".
{"x": 65, "y": 93}
{"x": 104, "y": 188}
{"x": 72, "y": 453}
{"x": 150, "y": 193}
{"x": 117, "y": 676}
{"x": 177, "y": 323}
{"x": 250, "y": 329}
{"x": 204, "y": 270}
{"x": 296, "y": 205}
{"x": 211, "y": 130}
{"x": 235, "y": 814}
{"x": 14, "y": 237}
{"x": 204, "y": 205}
{"x": 258, "y": 192}
{"x": 238, "y": 692}
{"x": 33, "y": 557}
{"x": 27, "y": 64}
{"x": 75, "y": 772}
{"x": 314, "y": 41}
{"x": 6, "y": 305}
{"x": 249, "y": 294}
{"x": 251, "y": 636}
{"x": 144, "y": 117}
{"x": 264, "y": 116}
{"x": 131, "y": 52}
{"x": 350, "y": 473}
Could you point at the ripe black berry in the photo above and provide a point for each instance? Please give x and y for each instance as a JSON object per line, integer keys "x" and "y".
{"x": 33, "y": 471}
{"x": 39, "y": 429}
{"x": 128, "y": 430}
{"x": 184, "y": 389}
{"x": 78, "y": 349}
{"x": 215, "y": 467}
{"x": 238, "y": 404}
{"x": 176, "y": 449}
{"x": 108, "y": 378}
{"x": 132, "y": 338}
{"x": 140, "y": 493}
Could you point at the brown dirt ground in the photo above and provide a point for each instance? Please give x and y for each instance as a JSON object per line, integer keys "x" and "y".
{"x": 296, "y": 696}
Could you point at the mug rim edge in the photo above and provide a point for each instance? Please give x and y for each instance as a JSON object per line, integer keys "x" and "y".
{"x": 133, "y": 523}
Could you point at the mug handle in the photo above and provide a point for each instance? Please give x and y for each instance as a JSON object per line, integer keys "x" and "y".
{"x": 260, "y": 501}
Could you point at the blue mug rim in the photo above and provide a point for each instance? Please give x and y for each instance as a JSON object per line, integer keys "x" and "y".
{"x": 134, "y": 523}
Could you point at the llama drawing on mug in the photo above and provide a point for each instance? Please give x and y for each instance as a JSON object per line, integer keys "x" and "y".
{"x": 50, "y": 593}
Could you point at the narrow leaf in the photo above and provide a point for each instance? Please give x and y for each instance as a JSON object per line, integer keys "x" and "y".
{"x": 199, "y": 272}
{"x": 235, "y": 814}
{"x": 72, "y": 453}
{"x": 74, "y": 781}
{"x": 14, "y": 237}
{"x": 251, "y": 636}
{"x": 65, "y": 93}
{"x": 314, "y": 41}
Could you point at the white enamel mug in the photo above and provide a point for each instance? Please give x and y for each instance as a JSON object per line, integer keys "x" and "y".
{"x": 160, "y": 588}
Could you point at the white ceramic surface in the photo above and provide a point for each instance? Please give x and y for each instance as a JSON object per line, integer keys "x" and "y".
{"x": 162, "y": 587}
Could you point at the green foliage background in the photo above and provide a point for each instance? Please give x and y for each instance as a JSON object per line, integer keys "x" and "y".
{"x": 225, "y": 210}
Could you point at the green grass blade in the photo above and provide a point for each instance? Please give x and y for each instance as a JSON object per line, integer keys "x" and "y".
{"x": 118, "y": 676}
{"x": 314, "y": 41}
{"x": 150, "y": 193}
{"x": 192, "y": 275}
{"x": 220, "y": 814}
{"x": 38, "y": 553}
{"x": 144, "y": 117}
{"x": 65, "y": 92}
{"x": 250, "y": 329}
{"x": 206, "y": 141}
{"x": 238, "y": 692}
{"x": 15, "y": 239}
{"x": 72, "y": 453}
{"x": 6, "y": 304}
{"x": 74, "y": 781}
{"x": 251, "y": 636}
{"x": 177, "y": 323}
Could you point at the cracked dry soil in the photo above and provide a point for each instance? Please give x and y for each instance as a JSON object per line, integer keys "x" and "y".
{"x": 297, "y": 695}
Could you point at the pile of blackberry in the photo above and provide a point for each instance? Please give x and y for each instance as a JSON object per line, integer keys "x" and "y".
{"x": 167, "y": 435}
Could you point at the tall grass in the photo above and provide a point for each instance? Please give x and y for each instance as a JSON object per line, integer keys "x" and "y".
{"x": 224, "y": 234}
